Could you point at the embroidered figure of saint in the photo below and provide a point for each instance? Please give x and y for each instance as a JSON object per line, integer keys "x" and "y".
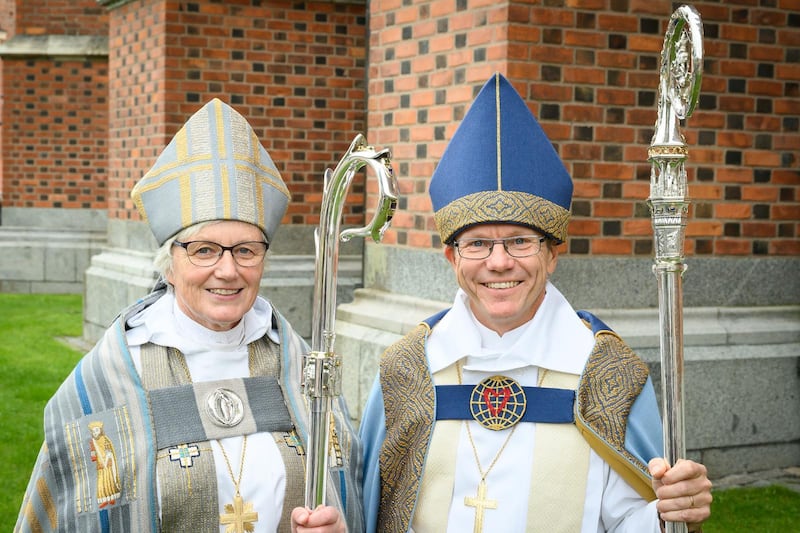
{"x": 109, "y": 488}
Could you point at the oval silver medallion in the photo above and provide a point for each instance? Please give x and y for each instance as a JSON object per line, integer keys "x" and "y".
{"x": 225, "y": 407}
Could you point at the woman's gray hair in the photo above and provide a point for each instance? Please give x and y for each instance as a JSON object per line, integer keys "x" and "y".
{"x": 163, "y": 258}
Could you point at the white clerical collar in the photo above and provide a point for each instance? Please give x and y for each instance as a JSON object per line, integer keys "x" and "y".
{"x": 555, "y": 339}
{"x": 165, "y": 324}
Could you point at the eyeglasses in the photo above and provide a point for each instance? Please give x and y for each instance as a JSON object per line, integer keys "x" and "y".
{"x": 207, "y": 253}
{"x": 518, "y": 246}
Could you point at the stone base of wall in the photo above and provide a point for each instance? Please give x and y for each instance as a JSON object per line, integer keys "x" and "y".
{"x": 46, "y": 260}
{"x": 741, "y": 385}
{"x": 115, "y": 279}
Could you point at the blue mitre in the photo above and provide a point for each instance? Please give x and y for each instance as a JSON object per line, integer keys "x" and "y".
{"x": 500, "y": 167}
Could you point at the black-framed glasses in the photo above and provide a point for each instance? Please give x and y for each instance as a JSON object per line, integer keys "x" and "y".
{"x": 207, "y": 253}
{"x": 517, "y": 246}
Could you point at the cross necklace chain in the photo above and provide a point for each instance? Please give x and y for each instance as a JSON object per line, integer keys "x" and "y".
{"x": 239, "y": 516}
{"x": 480, "y": 501}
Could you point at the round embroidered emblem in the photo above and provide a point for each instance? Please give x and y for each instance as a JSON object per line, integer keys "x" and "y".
{"x": 225, "y": 407}
{"x": 497, "y": 402}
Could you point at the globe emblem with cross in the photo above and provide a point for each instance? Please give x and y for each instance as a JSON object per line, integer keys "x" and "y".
{"x": 497, "y": 403}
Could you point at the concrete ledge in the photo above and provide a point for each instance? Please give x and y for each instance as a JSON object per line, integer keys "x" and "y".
{"x": 55, "y": 46}
{"x": 22, "y": 219}
{"x": 707, "y": 326}
{"x": 46, "y": 259}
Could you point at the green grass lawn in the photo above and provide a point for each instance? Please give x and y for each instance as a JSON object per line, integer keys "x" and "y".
{"x": 34, "y": 363}
{"x": 771, "y": 509}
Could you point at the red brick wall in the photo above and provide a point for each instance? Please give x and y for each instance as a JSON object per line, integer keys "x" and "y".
{"x": 295, "y": 72}
{"x": 589, "y": 70}
{"x": 61, "y": 17}
{"x": 54, "y": 112}
{"x": 7, "y": 25}
{"x": 54, "y": 133}
{"x": 137, "y": 129}
{"x": 8, "y": 14}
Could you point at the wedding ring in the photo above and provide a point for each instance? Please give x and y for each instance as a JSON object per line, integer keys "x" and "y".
{"x": 691, "y": 501}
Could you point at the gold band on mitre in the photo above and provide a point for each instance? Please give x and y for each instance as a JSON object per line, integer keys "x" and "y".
{"x": 512, "y": 207}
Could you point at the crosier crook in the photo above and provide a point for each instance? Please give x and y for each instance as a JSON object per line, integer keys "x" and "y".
{"x": 678, "y": 90}
{"x": 321, "y": 380}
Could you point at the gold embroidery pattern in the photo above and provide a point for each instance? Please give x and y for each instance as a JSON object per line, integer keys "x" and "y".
{"x": 123, "y": 421}
{"x": 336, "y": 459}
{"x": 612, "y": 380}
{"x": 101, "y": 458}
{"x": 185, "y": 456}
{"x": 72, "y": 438}
{"x": 48, "y": 502}
{"x": 502, "y": 206}
{"x": 408, "y": 396}
{"x": 104, "y": 456}
{"x": 293, "y": 441}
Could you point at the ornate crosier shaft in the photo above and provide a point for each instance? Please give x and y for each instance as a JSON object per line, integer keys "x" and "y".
{"x": 679, "y": 87}
{"x": 322, "y": 367}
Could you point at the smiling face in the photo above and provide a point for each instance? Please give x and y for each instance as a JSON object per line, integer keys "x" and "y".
{"x": 217, "y": 297}
{"x": 504, "y": 292}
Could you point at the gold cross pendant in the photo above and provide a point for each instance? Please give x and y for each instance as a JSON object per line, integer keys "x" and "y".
{"x": 239, "y": 516}
{"x": 480, "y": 503}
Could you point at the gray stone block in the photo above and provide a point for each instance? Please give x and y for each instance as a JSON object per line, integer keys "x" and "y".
{"x": 360, "y": 348}
{"x": 54, "y": 287}
{"x": 86, "y": 220}
{"x": 115, "y": 280}
{"x": 289, "y": 284}
{"x": 21, "y": 262}
{"x": 15, "y": 287}
{"x": 49, "y": 259}
{"x": 131, "y": 235}
{"x": 739, "y": 395}
{"x": 60, "y": 264}
{"x": 726, "y": 461}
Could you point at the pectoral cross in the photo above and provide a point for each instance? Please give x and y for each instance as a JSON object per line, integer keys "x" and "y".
{"x": 239, "y": 516}
{"x": 480, "y": 503}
